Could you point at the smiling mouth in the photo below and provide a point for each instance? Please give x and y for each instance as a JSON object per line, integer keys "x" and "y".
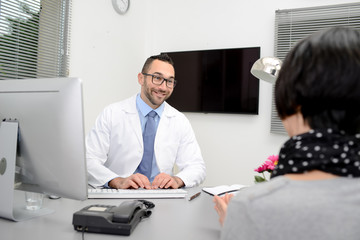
{"x": 159, "y": 93}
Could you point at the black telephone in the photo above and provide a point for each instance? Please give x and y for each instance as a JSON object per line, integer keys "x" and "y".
{"x": 120, "y": 219}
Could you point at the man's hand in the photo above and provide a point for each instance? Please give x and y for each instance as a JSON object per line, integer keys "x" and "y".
{"x": 221, "y": 204}
{"x": 134, "y": 181}
{"x": 164, "y": 180}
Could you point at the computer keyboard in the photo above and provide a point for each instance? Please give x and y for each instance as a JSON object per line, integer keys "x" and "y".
{"x": 136, "y": 193}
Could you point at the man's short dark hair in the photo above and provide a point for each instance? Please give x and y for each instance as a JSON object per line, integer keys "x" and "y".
{"x": 162, "y": 57}
{"x": 320, "y": 77}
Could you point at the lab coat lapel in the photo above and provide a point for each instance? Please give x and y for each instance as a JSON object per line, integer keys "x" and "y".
{"x": 135, "y": 125}
{"x": 164, "y": 123}
{"x": 134, "y": 120}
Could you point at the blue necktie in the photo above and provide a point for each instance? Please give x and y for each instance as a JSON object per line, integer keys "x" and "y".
{"x": 148, "y": 137}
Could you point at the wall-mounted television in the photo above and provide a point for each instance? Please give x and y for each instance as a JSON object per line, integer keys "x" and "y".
{"x": 216, "y": 81}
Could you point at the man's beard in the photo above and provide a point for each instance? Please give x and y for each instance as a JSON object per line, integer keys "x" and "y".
{"x": 153, "y": 99}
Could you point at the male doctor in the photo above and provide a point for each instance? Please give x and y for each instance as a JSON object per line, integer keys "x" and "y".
{"x": 115, "y": 146}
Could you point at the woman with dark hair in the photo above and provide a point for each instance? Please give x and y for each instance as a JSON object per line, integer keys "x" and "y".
{"x": 314, "y": 191}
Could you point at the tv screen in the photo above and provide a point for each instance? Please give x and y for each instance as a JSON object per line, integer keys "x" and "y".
{"x": 216, "y": 81}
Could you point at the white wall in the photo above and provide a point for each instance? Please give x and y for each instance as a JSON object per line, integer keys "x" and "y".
{"x": 108, "y": 50}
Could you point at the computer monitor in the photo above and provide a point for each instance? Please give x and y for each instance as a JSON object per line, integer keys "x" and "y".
{"x": 49, "y": 141}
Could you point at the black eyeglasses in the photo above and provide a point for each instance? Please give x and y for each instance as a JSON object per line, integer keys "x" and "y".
{"x": 158, "y": 80}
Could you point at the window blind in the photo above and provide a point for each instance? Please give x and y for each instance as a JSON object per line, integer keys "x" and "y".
{"x": 34, "y": 36}
{"x": 292, "y": 25}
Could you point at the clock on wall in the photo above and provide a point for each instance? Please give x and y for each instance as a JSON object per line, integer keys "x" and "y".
{"x": 121, "y": 6}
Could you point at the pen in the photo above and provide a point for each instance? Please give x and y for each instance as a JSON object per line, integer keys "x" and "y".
{"x": 194, "y": 196}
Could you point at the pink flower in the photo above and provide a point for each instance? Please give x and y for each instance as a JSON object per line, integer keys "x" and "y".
{"x": 269, "y": 165}
{"x": 261, "y": 169}
{"x": 274, "y": 159}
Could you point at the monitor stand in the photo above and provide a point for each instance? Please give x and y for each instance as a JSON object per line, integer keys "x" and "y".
{"x": 12, "y": 202}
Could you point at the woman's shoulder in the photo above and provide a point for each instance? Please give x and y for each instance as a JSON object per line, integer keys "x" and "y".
{"x": 262, "y": 189}
{"x": 283, "y": 187}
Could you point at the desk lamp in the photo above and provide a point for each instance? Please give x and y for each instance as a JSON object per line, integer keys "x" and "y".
{"x": 267, "y": 69}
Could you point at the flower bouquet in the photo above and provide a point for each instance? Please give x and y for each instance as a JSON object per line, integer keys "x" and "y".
{"x": 268, "y": 166}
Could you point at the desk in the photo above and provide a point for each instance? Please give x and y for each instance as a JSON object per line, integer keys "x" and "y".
{"x": 171, "y": 219}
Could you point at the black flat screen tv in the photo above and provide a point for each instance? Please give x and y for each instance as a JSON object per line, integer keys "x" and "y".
{"x": 216, "y": 81}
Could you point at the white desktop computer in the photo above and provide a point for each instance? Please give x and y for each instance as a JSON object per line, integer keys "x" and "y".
{"x": 42, "y": 147}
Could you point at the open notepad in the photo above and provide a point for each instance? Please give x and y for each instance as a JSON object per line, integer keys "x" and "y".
{"x": 222, "y": 189}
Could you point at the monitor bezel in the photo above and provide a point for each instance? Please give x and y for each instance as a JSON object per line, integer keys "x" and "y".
{"x": 51, "y": 146}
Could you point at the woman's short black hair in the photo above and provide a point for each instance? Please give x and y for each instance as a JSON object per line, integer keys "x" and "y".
{"x": 320, "y": 77}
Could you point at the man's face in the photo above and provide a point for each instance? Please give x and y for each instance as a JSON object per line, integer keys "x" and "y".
{"x": 155, "y": 95}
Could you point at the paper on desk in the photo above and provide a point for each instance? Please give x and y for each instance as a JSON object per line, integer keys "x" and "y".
{"x": 222, "y": 189}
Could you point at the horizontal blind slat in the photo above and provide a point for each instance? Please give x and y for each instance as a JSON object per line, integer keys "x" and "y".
{"x": 33, "y": 41}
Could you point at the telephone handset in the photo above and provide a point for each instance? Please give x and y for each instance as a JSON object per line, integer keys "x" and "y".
{"x": 125, "y": 212}
{"x": 120, "y": 219}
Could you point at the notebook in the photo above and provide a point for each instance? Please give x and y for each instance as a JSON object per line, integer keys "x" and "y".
{"x": 222, "y": 189}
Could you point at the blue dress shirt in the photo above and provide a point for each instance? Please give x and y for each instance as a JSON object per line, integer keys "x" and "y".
{"x": 143, "y": 110}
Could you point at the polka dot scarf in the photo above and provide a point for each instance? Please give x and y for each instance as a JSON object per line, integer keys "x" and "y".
{"x": 325, "y": 150}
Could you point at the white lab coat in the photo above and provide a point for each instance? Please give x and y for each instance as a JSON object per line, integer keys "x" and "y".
{"x": 114, "y": 147}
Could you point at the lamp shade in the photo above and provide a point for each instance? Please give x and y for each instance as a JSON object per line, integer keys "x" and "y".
{"x": 266, "y": 68}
